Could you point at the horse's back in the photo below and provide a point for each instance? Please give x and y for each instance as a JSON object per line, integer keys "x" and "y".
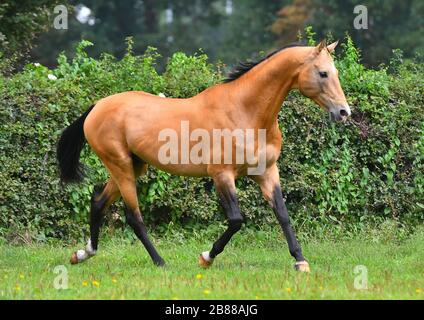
{"x": 131, "y": 122}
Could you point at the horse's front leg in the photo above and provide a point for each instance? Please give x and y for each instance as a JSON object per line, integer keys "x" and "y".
{"x": 270, "y": 186}
{"x": 225, "y": 187}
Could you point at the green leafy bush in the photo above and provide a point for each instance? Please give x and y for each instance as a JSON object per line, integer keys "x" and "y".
{"x": 340, "y": 176}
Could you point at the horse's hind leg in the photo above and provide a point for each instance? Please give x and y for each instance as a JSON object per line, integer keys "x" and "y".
{"x": 125, "y": 171}
{"x": 225, "y": 187}
{"x": 101, "y": 199}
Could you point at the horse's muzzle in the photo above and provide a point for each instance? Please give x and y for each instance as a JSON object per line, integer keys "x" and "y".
{"x": 339, "y": 114}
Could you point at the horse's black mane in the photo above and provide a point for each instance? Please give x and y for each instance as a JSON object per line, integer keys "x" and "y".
{"x": 244, "y": 67}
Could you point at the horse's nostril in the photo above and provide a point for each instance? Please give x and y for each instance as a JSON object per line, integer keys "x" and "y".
{"x": 344, "y": 113}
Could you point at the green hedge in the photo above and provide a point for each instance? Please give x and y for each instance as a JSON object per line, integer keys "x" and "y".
{"x": 336, "y": 175}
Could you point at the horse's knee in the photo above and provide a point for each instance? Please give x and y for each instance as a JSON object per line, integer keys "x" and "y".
{"x": 98, "y": 202}
{"x": 235, "y": 224}
{"x": 129, "y": 217}
{"x": 133, "y": 218}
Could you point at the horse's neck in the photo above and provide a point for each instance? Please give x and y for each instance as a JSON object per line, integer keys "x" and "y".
{"x": 261, "y": 91}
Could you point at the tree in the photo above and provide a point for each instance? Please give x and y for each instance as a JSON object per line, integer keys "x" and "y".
{"x": 226, "y": 30}
{"x": 21, "y": 21}
{"x": 392, "y": 24}
{"x": 291, "y": 19}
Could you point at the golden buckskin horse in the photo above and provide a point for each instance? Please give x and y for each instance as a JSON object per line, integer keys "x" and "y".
{"x": 124, "y": 129}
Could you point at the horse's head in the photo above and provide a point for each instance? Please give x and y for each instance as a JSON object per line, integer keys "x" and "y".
{"x": 318, "y": 79}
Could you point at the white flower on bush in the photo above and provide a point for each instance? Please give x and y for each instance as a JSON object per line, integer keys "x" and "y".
{"x": 37, "y": 64}
{"x": 52, "y": 76}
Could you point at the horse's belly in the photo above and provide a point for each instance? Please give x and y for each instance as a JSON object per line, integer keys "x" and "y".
{"x": 187, "y": 170}
{"x": 176, "y": 166}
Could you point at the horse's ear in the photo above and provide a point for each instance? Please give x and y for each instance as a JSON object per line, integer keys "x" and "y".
{"x": 321, "y": 46}
{"x": 332, "y": 46}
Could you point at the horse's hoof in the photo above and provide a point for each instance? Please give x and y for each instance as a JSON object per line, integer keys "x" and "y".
{"x": 160, "y": 263}
{"x": 302, "y": 266}
{"x": 204, "y": 263}
{"x": 74, "y": 258}
{"x": 80, "y": 256}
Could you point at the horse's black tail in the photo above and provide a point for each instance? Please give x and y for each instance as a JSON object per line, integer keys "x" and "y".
{"x": 69, "y": 148}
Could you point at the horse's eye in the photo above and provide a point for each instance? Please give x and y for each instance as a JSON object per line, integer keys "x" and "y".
{"x": 323, "y": 74}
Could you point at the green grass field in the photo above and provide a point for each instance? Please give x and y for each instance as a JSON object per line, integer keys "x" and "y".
{"x": 250, "y": 268}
